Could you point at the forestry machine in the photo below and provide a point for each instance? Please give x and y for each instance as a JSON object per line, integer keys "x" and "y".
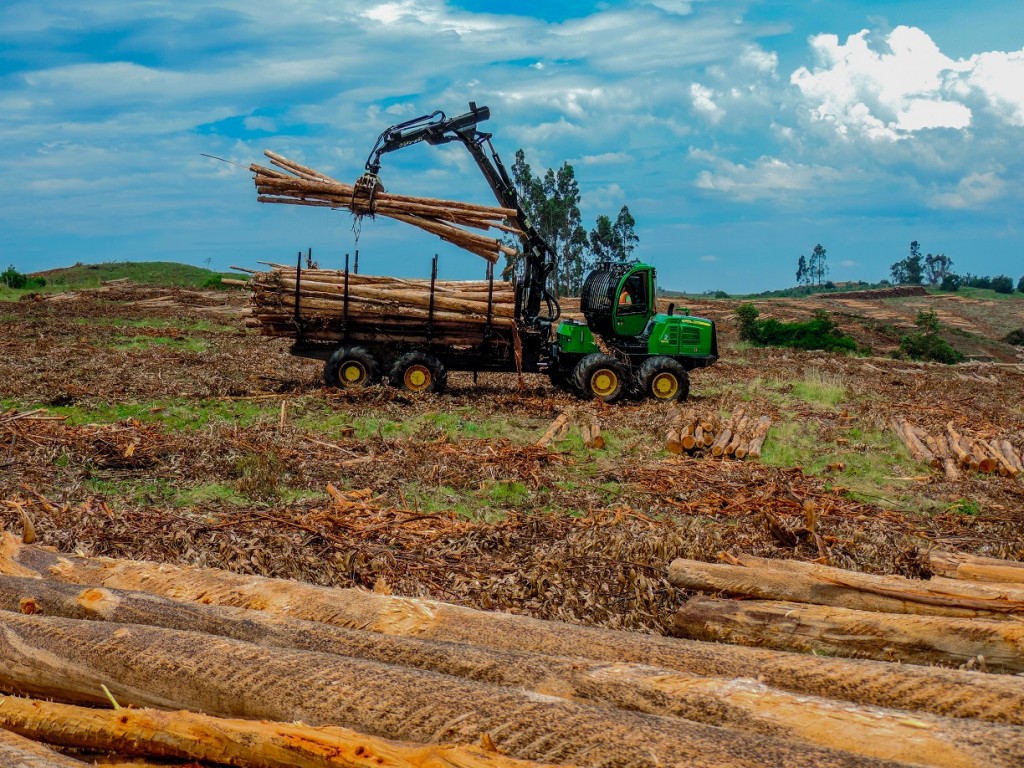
{"x": 625, "y": 346}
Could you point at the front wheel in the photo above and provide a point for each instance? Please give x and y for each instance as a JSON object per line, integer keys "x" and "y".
{"x": 600, "y": 376}
{"x": 351, "y": 368}
{"x": 663, "y": 378}
{"x": 419, "y": 372}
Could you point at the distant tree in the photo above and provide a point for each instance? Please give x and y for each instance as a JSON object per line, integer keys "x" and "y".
{"x": 1002, "y": 284}
{"x": 951, "y": 282}
{"x": 908, "y": 270}
{"x": 937, "y": 267}
{"x": 613, "y": 241}
{"x": 1020, "y": 284}
{"x": 817, "y": 265}
{"x": 12, "y": 278}
{"x": 801, "y": 270}
{"x": 624, "y": 228}
{"x": 926, "y": 343}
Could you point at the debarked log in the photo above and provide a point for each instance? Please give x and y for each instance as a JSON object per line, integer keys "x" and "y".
{"x": 939, "y": 691}
{"x": 744, "y": 704}
{"x": 19, "y": 752}
{"x": 224, "y": 741}
{"x": 823, "y": 585}
{"x": 171, "y": 669}
{"x": 860, "y": 634}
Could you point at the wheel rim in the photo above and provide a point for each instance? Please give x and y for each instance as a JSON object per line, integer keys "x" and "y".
{"x": 417, "y": 378}
{"x": 665, "y": 386}
{"x": 604, "y": 382}
{"x": 352, "y": 374}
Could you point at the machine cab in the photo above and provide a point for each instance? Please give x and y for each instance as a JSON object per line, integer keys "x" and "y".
{"x": 618, "y": 299}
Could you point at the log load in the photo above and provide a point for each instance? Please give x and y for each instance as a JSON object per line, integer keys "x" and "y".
{"x": 296, "y": 184}
{"x": 823, "y": 585}
{"x": 973, "y": 568}
{"x": 172, "y": 669}
{"x": 192, "y": 736}
{"x": 938, "y": 691}
{"x": 743, "y": 704}
{"x": 331, "y": 303}
{"x": 861, "y": 634}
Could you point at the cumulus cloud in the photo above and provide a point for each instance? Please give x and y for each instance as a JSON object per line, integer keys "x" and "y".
{"x": 704, "y": 102}
{"x": 768, "y": 178}
{"x": 973, "y": 190}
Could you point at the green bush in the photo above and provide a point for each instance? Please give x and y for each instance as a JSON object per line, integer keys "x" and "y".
{"x": 1015, "y": 337}
{"x": 12, "y": 278}
{"x": 821, "y": 332}
{"x": 950, "y": 282}
{"x": 1002, "y": 284}
{"x": 926, "y": 343}
{"x": 1020, "y": 285}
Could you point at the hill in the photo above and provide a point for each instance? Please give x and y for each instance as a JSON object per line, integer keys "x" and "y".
{"x": 142, "y": 272}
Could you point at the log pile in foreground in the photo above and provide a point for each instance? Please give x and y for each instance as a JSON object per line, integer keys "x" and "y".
{"x": 818, "y": 609}
{"x": 331, "y": 303}
{"x": 956, "y": 565}
{"x": 953, "y": 450}
{"x": 740, "y": 436}
{"x": 296, "y": 184}
{"x": 427, "y": 674}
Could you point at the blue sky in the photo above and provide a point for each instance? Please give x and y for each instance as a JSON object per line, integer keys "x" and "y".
{"x": 739, "y": 133}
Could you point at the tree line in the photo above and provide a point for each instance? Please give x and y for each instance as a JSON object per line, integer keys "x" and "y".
{"x": 552, "y": 203}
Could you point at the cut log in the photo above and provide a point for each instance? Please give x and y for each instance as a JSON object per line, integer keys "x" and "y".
{"x": 718, "y": 447}
{"x": 956, "y": 443}
{"x": 737, "y": 436}
{"x": 975, "y": 568}
{"x": 760, "y": 434}
{"x": 186, "y": 670}
{"x": 18, "y": 752}
{"x": 192, "y": 736}
{"x": 939, "y": 691}
{"x": 554, "y": 430}
{"x": 909, "y": 437}
{"x": 673, "y": 440}
{"x": 857, "y": 634}
{"x": 594, "y": 433}
{"x": 1005, "y": 465}
{"x": 823, "y": 585}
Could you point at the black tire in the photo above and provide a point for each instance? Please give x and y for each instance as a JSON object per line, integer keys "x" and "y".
{"x": 600, "y": 376}
{"x": 351, "y": 368}
{"x": 419, "y": 372}
{"x": 662, "y": 378}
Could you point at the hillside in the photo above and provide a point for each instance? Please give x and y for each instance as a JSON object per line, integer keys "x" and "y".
{"x": 164, "y": 273}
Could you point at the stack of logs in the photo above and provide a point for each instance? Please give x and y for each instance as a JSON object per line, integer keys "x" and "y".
{"x": 296, "y": 184}
{"x": 377, "y": 308}
{"x": 952, "y": 450}
{"x": 738, "y": 436}
{"x": 819, "y": 609}
{"x": 421, "y": 680}
{"x": 590, "y": 431}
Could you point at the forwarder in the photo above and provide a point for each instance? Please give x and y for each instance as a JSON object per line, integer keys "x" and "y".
{"x": 625, "y": 347}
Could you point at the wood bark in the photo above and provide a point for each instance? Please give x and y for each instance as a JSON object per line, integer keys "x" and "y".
{"x": 859, "y": 634}
{"x": 975, "y": 568}
{"x": 251, "y": 743}
{"x": 938, "y": 691}
{"x": 18, "y": 752}
{"x": 956, "y": 445}
{"x": 172, "y": 669}
{"x": 553, "y": 431}
{"x": 823, "y": 585}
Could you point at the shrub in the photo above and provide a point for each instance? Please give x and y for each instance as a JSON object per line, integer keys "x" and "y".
{"x": 12, "y": 278}
{"x": 1015, "y": 337}
{"x": 927, "y": 344}
{"x": 1020, "y": 285}
{"x": 950, "y": 282}
{"x": 821, "y": 332}
{"x": 1002, "y": 284}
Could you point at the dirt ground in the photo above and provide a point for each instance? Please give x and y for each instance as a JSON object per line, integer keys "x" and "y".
{"x": 147, "y": 423}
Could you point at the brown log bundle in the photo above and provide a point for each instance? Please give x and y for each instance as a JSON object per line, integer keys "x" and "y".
{"x": 953, "y": 450}
{"x": 329, "y": 303}
{"x": 836, "y": 631}
{"x": 691, "y": 433}
{"x": 299, "y": 185}
{"x": 938, "y": 691}
{"x": 223, "y": 741}
{"x": 974, "y": 568}
{"x": 823, "y": 585}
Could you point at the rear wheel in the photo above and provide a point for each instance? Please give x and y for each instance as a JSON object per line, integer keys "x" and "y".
{"x": 419, "y": 372}
{"x": 663, "y": 378}
{"x": 600, "y": 376}
{"x": 351, "y": 368}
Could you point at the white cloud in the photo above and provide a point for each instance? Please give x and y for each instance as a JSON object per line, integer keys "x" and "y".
{"x": 769, "y": 178}
{"x": 973, "y": 191}
{"x": 999, "y": 78}
{"x": 704, "y": 102}
{"x": 848, "y": 263}
{"x": 709, "y": 258}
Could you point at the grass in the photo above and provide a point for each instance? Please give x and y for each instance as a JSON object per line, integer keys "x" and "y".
{"x": 155, "y": 323}
{"x": 175, "y": 414}
{"x": 86, "y": 276}
{"x": 129, "y": 344}
{"x": 820, "y": 388}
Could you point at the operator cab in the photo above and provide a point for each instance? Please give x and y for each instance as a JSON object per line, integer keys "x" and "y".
{"x": 619, "y": 298}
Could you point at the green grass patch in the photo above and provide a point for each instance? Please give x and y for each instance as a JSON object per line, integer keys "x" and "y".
{"x": 144, "y": 272}
{"x": 155, "y": 323}
{"x": 820, "y": 388}
{"x": 175, "y": 414}
{"x": 130, "y": 344}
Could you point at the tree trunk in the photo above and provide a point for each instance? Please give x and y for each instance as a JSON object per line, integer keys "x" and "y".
{"x": 939, "y": 691}
{"x": 251, "y": 743}
{"x": 858, "y": 634}
{"x": 145, "y": 666}
{"x": 974, "y": 568}
{"x": 18, "y": 752}
{"x": 822, "y": 585}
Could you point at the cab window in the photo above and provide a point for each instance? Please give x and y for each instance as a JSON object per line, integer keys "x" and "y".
{"x": 633, "y": 299}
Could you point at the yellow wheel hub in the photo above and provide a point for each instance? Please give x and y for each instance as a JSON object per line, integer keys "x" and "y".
{"x": 417, "y": 378}
{"x": 665, "y": 386}
{"x": 603, "y": 382}
{"x": 353, "y": 374}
